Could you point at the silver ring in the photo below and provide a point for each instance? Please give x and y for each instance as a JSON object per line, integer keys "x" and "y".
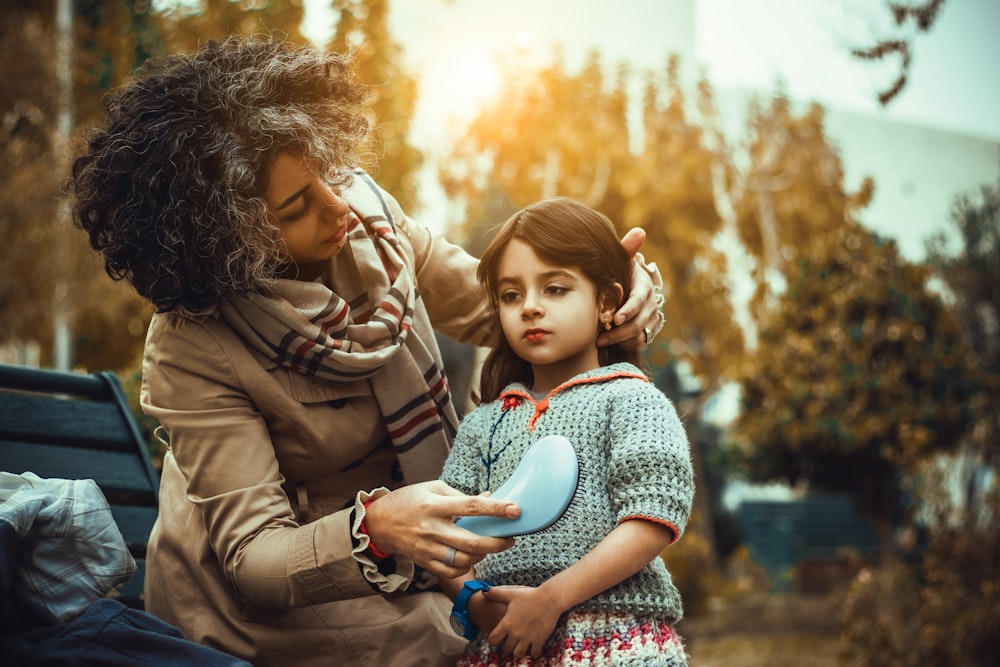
{"x": 449, "y": 556}
{"x": 647, "y": 334}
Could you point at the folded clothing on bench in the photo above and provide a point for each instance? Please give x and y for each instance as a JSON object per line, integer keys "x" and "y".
{"x": 69, "y": 551}
{"x": 60, "y": 554}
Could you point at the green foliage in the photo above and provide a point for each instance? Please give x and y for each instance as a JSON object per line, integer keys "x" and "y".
{"x": 860, "y": 373}
{"x": 973, "y": 277}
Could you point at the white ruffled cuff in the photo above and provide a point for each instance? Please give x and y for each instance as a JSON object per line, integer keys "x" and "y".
{"x": 386, "y": 583}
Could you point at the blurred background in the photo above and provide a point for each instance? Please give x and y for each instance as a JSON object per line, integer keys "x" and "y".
{"x": 820, "y": 185}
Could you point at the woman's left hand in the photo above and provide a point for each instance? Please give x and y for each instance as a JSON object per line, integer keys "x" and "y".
{"x": 638, "y": 319}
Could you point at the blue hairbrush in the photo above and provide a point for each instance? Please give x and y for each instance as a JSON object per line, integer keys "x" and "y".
{"x": 543, "y": 484}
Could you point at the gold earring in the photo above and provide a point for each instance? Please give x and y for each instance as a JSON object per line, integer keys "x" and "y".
{"x": 606, "y": 321}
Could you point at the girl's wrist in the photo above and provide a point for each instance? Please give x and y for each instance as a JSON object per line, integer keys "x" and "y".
{"x": 552, "y": 596}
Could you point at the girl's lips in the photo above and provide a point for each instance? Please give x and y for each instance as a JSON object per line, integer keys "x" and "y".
{"x": 534, "y": 335}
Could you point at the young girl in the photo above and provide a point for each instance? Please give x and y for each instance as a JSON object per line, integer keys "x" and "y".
{"x": 590, "y": 588}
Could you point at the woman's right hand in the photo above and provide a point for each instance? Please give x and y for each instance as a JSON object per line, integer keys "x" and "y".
{"x": 417, "y": 522}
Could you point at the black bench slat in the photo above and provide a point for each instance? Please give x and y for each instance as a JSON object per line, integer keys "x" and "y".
{"x": 121, "y": 476}
{"x": 134, "y": 523}
{"x": 132, "y": 589}
{"x": 85, "y": 423}
{"x": 51, "y": 381}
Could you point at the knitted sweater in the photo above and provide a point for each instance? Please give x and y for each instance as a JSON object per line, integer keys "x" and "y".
{"x": 634, "y": 463}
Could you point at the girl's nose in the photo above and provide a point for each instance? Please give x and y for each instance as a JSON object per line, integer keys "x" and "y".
{"x": 530, "y": 308}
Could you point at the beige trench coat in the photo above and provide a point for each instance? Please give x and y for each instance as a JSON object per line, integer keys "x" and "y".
{"x": 251, "y": 553}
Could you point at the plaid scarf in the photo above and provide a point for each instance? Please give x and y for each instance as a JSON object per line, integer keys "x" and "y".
{"x": 348, "y": 336}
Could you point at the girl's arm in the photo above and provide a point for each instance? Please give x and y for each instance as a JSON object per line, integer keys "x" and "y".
{"x": 532, "y": 613}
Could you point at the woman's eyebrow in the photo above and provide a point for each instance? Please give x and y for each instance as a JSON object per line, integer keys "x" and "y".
{"x": 293, "y": 197}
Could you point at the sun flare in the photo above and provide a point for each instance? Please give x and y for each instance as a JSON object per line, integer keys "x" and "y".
{"x": 467, "y": 83}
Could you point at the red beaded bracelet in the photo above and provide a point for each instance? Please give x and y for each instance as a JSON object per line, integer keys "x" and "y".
{"x": 371, "y": 545}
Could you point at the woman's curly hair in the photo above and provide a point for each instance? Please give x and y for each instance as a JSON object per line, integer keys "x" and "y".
{"x": 169, "y": 186}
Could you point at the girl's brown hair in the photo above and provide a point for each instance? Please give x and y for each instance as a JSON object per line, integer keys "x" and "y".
{"x": 563, "y": 232}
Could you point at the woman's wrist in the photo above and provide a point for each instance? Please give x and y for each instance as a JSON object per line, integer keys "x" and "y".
{"x": 363, "y": 523}
{"x": 372, "y": 549}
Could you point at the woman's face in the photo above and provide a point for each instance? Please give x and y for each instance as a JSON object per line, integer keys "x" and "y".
{"x": 312, "y": 216}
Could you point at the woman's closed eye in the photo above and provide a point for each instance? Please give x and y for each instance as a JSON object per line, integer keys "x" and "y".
{"x": 300, "y": 213}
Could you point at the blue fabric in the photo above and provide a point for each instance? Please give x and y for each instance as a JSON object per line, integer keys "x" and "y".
{"x": 109, "y": 634}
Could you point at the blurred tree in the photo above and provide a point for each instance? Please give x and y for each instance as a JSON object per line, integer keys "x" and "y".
{"x": 49, "y": 269}
{"x": 920, "y": 15}
{"x": 973, "y": 278}
{"x": 548, "y": 133}
{"x": 28, "y": 174}
{"x": 860, "y": 374}
{"x": 363, "y": 29}
{"x": 670, "y": 194}
{"x": 187, "y": 25}
{"x": 778, "y": 190}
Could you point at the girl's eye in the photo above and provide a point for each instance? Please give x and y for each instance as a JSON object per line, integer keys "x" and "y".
{"x": 509, "y": 296}
{"x": 556, "y": 290}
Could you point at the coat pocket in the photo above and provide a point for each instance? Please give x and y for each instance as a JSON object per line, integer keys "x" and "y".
{"x": 309, "y": 390}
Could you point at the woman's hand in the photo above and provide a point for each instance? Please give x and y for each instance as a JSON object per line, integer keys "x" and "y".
{"x": 417, "y": 522}
{"x": 638, "y": 319}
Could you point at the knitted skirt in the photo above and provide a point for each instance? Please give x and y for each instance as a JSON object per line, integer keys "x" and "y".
{"x": 593, "y": 638}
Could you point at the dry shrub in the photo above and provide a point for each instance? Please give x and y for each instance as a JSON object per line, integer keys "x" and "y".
{"x": 944, "y": 610}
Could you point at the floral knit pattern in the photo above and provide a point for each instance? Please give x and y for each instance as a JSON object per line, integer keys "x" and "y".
{"x": 634, "y": 464}
{"x": 595, "y": 639}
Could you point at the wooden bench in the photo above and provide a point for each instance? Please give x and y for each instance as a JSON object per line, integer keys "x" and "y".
{"x": 79, "y": 426}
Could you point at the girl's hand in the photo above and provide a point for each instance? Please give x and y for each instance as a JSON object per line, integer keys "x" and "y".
{"x": 417, "y": 522}
{"x": 528, "y": 622}
{"x": 638, "y": 319}
{"x": 486, "y": 613}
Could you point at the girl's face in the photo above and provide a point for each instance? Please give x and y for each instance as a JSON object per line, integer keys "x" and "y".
{"x": 311, "y": 215}
{"x": 549, "y": 315}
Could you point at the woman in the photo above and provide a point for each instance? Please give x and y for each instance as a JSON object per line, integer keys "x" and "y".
{"x": 291, "y": 361}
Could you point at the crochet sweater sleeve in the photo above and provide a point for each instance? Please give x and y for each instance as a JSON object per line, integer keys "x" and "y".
{"x": 650, "y": 474}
